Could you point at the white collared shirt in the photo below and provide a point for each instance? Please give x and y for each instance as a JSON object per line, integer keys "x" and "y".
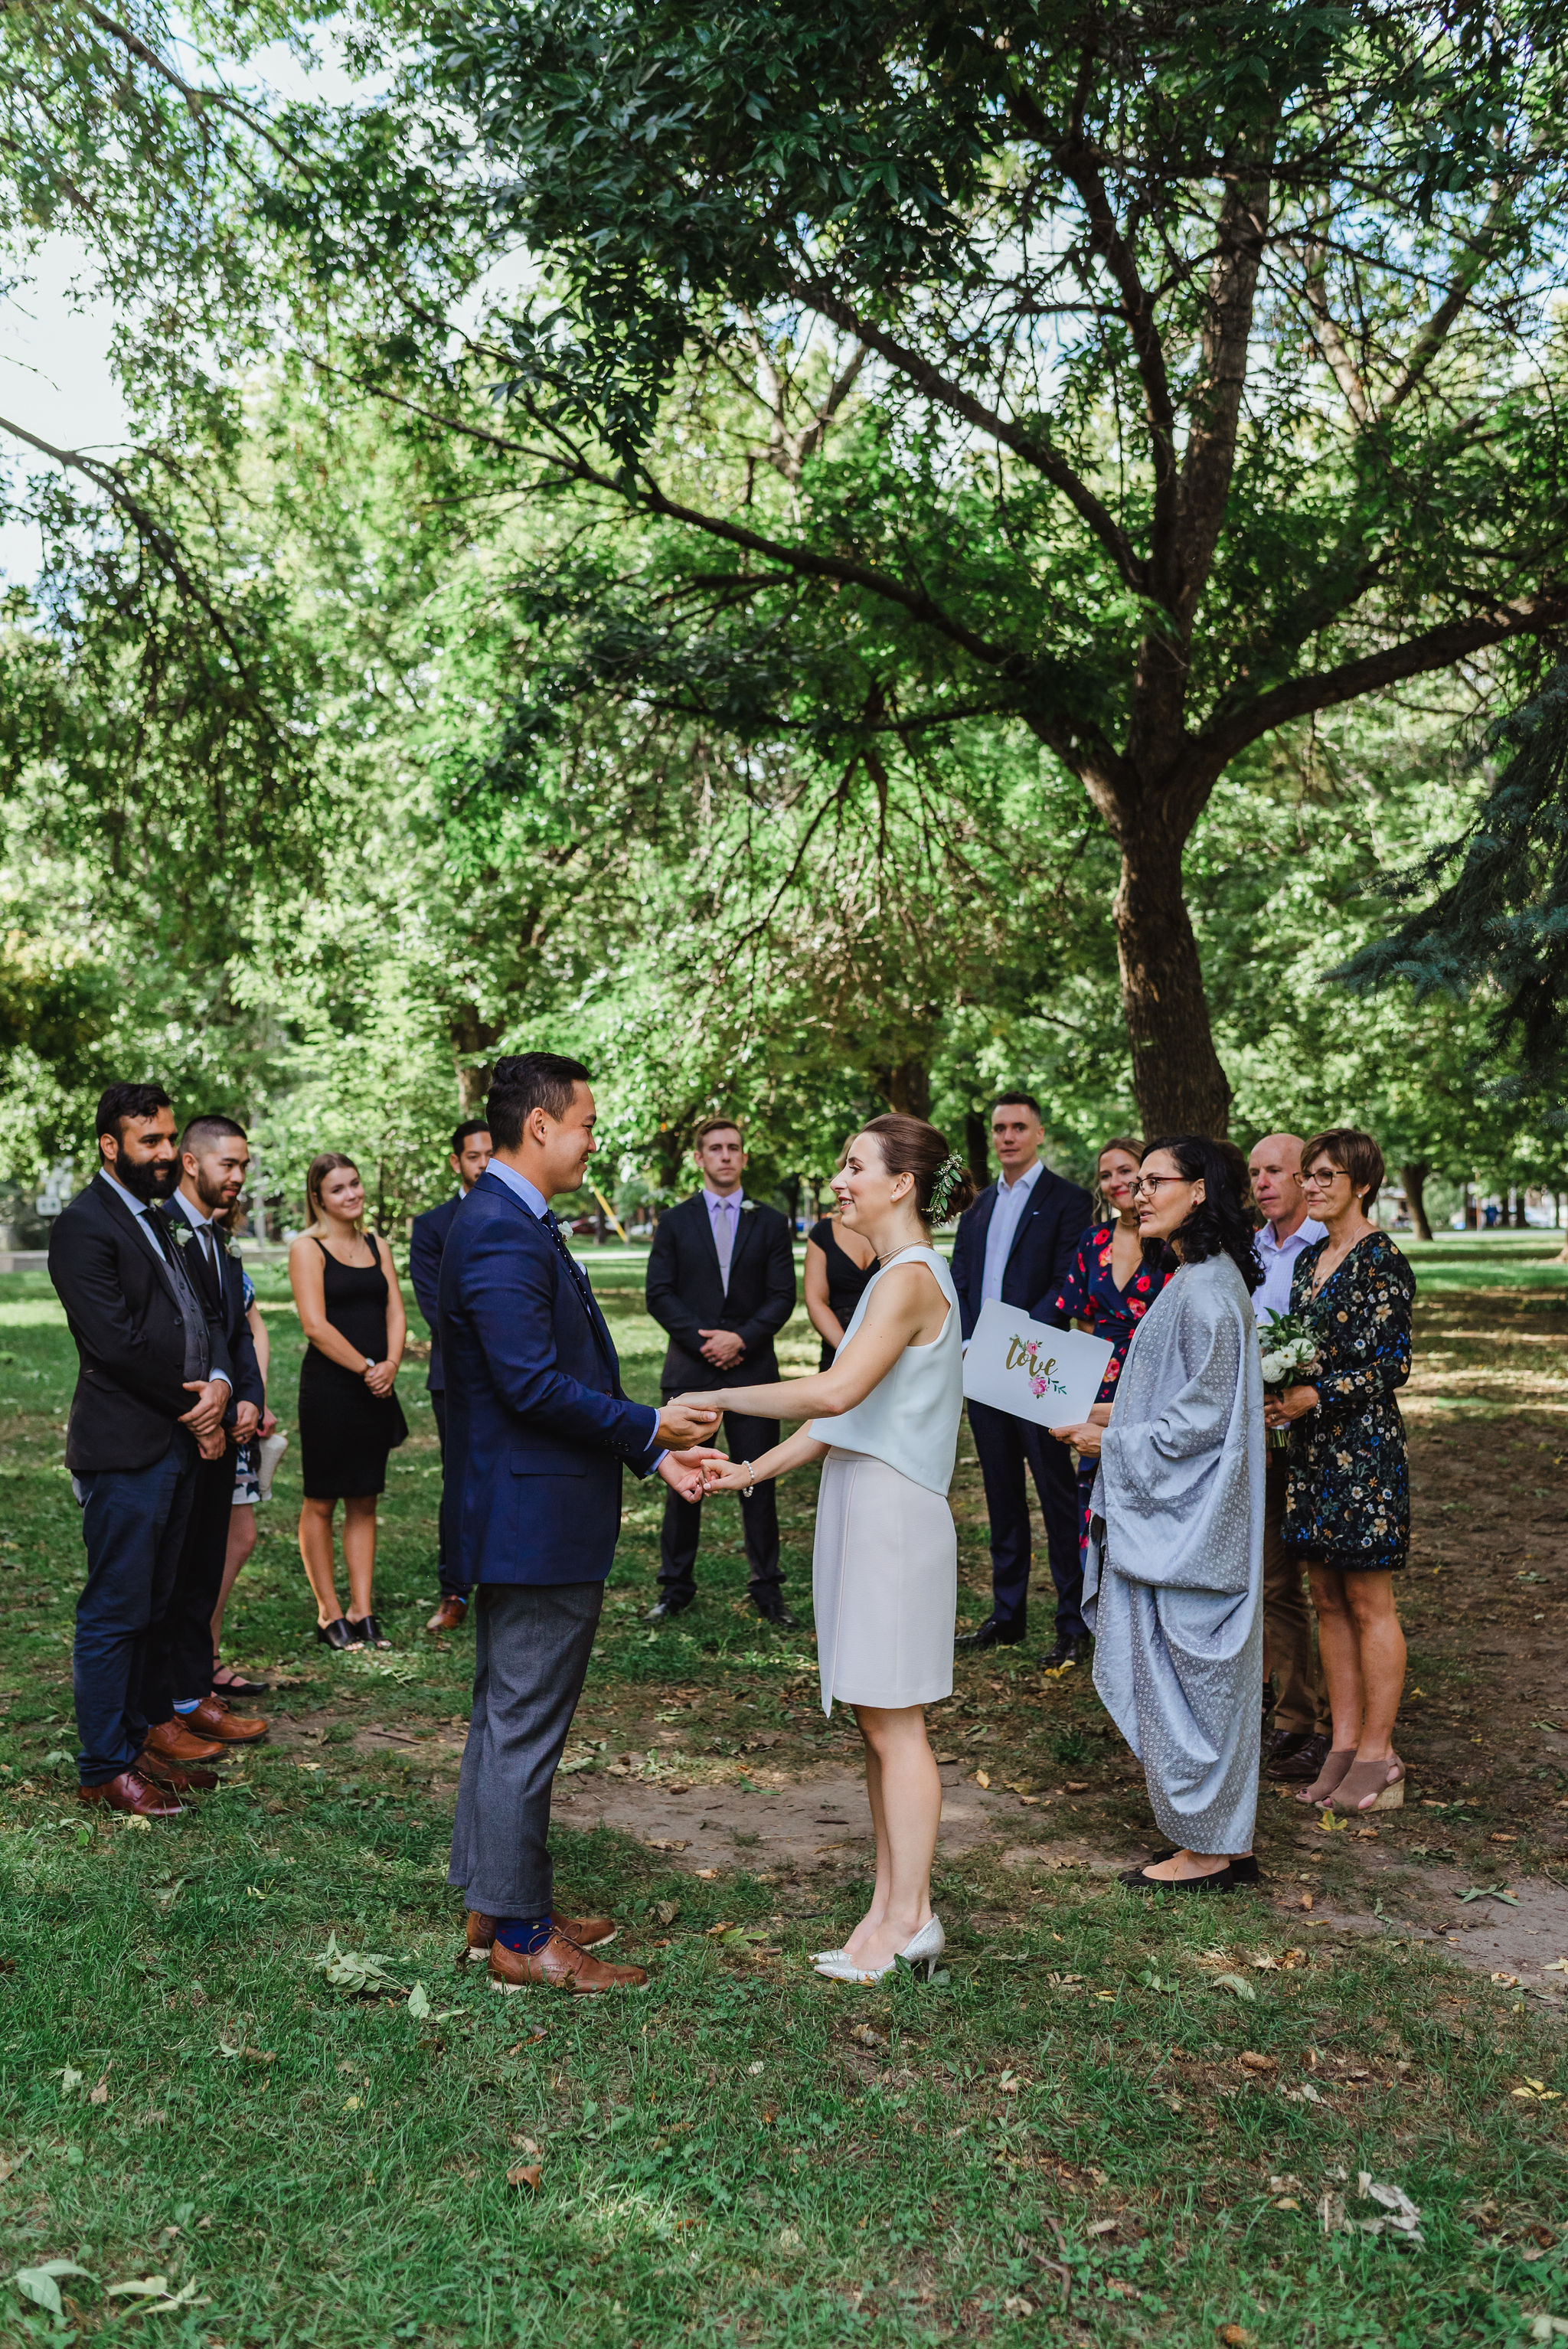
{"x": 1278, "y": 1257}
{"x": 1011, "y": 1198}
{"x": 143, "y": 1209}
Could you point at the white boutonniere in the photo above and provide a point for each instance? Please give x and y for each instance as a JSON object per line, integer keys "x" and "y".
{"x": 749, "y": 1206}
{"x": 231, "y": 1246}
{"x": 183, "y": 1234}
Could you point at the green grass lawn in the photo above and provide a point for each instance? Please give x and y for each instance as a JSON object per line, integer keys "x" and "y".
{"x": 1112, "y": 2121}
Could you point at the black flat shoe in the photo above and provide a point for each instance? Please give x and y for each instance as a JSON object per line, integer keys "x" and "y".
{"x": 366, "y": 1633}
{"x": 240, "y": 1686}
{"x": 1075, "y": 1650}
{"x": 779, "y": 1617}
{"x": 1232, "y": 1878}
{"x": 336, "y": 1635}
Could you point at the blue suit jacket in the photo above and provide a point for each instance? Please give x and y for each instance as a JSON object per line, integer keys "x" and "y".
{"x": 427, "y": 1238}
{"x": 537, "y": 1424}
{"x": 1045, "y": 1236}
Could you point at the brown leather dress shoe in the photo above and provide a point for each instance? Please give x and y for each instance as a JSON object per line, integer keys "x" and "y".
{"x": 149, "y": 1765}
{"x": 450, "y": 1615}
{"x": 561, "y": 1964}
{"x": 172, "y": 1741}
{"x": 478, "y": 1930}
{"x": 213, "y": 1719}
{"x": 130, "y": 1793}
{"x": 1297, "y": 1758}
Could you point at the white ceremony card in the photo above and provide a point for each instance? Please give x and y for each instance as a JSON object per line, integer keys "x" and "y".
{"x": 1051, "y": 1376}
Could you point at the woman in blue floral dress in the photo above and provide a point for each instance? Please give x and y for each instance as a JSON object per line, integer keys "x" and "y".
{"x": 1108, "y": 1285}
{"x": 1347, "y": 1500}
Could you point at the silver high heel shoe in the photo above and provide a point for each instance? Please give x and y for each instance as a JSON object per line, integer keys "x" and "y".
{"x": 923, "y": 1951}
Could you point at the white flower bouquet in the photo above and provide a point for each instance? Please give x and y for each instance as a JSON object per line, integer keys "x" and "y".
{"x": 1289, "y": 1348}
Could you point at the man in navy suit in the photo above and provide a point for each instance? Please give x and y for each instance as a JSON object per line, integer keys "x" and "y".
{"x": 538, "y": 1430}
{"x": 427, "y": 1238}
{"x": 1015, "y": 1243}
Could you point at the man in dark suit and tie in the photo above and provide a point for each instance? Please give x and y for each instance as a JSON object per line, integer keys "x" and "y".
{"x": 214, "y": 1160}
{"x": 427, "y": 1238}
{"x": 1015, "y": 1243}
{"x": 538, "y": 1429}
{"x": 153, "y": 1390}
{"x": 721, "y": 1280}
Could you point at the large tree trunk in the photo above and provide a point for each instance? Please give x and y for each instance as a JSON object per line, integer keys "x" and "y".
{"x": 1413, "y": 1175}
{"x": 977, "y": 1148}
{"x": 906, "y": 1087}
{"x": 1176, "y": 1078}
{"x": 473, "y": 1040}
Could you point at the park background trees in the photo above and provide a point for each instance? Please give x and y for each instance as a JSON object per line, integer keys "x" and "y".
{"x": 820, "y": 560}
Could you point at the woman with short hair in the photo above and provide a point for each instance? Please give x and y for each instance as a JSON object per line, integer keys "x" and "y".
{"x": 1174, "y": 1575}
{"x": 351, "y": 1309}
{"x": 1347, "y": 1497}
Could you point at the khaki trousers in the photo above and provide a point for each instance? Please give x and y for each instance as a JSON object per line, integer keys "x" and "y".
{"x": 1301, "y": 1703}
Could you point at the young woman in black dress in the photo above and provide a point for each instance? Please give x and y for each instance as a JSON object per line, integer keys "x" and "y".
{"x": 345, "y": 1286}
{"x": 838, "y": 1264}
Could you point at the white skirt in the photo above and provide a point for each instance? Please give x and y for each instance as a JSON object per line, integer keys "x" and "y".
{"x": 884, "y": 1585}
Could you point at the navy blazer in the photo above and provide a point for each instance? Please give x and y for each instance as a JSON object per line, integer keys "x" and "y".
{"x": 427, "y": 1238}
{"x": 1044, "y": 1241}
{"x": 537, "y": 1423}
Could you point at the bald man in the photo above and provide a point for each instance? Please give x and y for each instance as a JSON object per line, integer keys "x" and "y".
{"x": 1301, "y": 1730}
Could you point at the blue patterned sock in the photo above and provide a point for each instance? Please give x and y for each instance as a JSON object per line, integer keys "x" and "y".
{"x": 523, "y": 1934}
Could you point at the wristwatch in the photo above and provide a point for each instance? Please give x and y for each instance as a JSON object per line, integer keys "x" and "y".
{"x": 370, "y": 1362}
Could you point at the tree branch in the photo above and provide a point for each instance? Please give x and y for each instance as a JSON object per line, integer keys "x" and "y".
{"x": 929, "y": 380}
{"x": 1330, "y": 342}
{"x": 1207, "y": 754}
{"x": 1472, "y": 260}
{"x": 196, "y": 98}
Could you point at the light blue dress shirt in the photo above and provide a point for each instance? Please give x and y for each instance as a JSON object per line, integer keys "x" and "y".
{"x": 1279, "y": 1263}
{"x": 1004, "y": 1217}
{"x": 534, "y": 1200}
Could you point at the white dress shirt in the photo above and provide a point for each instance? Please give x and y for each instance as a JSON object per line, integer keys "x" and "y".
{"x": 534, "y": 1200}
{"x": 1005, "y": 1218}
{"x": 1279, "y": 1263}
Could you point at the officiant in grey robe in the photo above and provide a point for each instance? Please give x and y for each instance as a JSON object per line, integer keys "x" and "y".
{"x": 1173, "y": 1579}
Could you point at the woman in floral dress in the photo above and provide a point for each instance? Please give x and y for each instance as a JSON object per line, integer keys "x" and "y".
{"x": 1347, "y": 1501}
{"x": 1109, "y": 1285}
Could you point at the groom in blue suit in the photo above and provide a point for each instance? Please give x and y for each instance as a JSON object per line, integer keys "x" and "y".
{"x": 538, "y": 1430}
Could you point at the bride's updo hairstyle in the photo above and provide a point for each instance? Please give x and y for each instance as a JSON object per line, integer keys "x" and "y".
{"x": 910, "y": 1146}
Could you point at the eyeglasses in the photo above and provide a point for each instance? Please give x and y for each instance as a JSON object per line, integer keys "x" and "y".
{"x": 1148, "y": 1185}
{"x": 1323, "y": 1178}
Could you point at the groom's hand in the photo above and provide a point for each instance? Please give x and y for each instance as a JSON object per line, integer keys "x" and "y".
{"x": 684, "y": 1420}
{"x": 685, "y": 1471}
{"x": 722, "y": 1347}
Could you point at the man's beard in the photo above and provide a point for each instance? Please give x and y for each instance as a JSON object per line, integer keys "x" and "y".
{"x": 216, "y": 1198}
{"x": 150, "y": 1178}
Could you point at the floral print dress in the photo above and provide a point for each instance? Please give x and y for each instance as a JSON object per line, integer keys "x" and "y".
{"x": 1090, "y": 1294}
{"x": 1347, "y": 1499}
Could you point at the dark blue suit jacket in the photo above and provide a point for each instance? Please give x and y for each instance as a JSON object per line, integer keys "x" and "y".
{"x": 1043, "y": 1242}
{"x": 427, "y": 1238}
{"x": 537, "y": 1424}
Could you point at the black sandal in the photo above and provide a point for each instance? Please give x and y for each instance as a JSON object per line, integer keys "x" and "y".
{"x": 1232, "y": 1878}
{"x": 340, "y": 1635}
{"x": 238, "y": 1686}
{"x": 367, "y": 1632}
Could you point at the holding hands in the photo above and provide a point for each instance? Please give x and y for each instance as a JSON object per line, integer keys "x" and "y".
{"x": 686, "y": 1472}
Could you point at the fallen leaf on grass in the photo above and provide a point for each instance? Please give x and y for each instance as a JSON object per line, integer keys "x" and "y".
{"x": 419, "y": 2002}
{"x": 1235, "y": 2336}
{"x": 526, "y": 2173}
{"x": 98, "y": 2095}
{"x": 1016, "y": 2305}
{"x": 1077, "y": 1786}
{"x": 1101, "y": 2227}
{"x": 706, "y": 1875}
{"x": 39, "y": 2285}
{"x": 1535, "y": 2091}
{"x": 666, "y": 1912}
{"x": 70, "y": 2081}
{"x": 1556, "y": 1966}
{"x": 1252, "y": 2061}
{"x": 866, "y": 2036}
{"x": 1489, "y": 1892}
{"x": 1234, "y": 1983}
{"x": 1403, "y": 2219}
{"x": 667, "y": 1843}
{"x": 1009, "y": 2084}
{"x": 10, "y": 2163}
{"x": 155, "y": 2289}
{"x": 1306, "y": 2094}
{"x": 354, "y": 1971}
{"x": 1548, "y": 2328}
{"x": 982, "y": 1777}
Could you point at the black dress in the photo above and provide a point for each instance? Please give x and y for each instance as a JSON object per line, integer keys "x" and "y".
{"x": 344, "y": 1431}
{"x": 847, "y": 1283}
{"x": 1347, "y": 1499}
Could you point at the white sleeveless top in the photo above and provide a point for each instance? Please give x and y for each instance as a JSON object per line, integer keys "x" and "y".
{"x": 909, "y": 1419}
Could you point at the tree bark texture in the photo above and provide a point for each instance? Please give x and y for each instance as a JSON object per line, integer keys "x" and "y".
{"x": 977, "y": 1148}
{"x": 1177, "y": 1080}
{"x": 1413, "y": 1175}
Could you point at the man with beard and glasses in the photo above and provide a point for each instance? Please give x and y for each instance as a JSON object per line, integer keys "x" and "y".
{"x": 153, "y": 1391}
{"x": 192, "y": 1724}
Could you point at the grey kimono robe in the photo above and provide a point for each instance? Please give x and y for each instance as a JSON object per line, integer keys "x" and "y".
{"x": 1173, "y": 1576}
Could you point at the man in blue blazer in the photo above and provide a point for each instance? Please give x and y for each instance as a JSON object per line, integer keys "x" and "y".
{"x": 538, "y": 1430}
{"x": 1015, "y": 1243}
{"x": 427, "y": 1238}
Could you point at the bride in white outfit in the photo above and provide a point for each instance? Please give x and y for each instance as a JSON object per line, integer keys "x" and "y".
{"x": 884, "y": 1573}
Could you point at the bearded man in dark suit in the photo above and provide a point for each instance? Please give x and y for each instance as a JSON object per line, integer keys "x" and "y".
{"x": 154, "y": 1388}
{"x": 1015, "y": 1243}
{"x": 721, "y": 1280}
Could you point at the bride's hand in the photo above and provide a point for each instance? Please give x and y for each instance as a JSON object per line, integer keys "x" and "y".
{"x": 726, "y": 1476}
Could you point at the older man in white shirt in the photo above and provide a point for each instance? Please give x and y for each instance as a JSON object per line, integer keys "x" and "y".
{"x": 1301, "y": 1730}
